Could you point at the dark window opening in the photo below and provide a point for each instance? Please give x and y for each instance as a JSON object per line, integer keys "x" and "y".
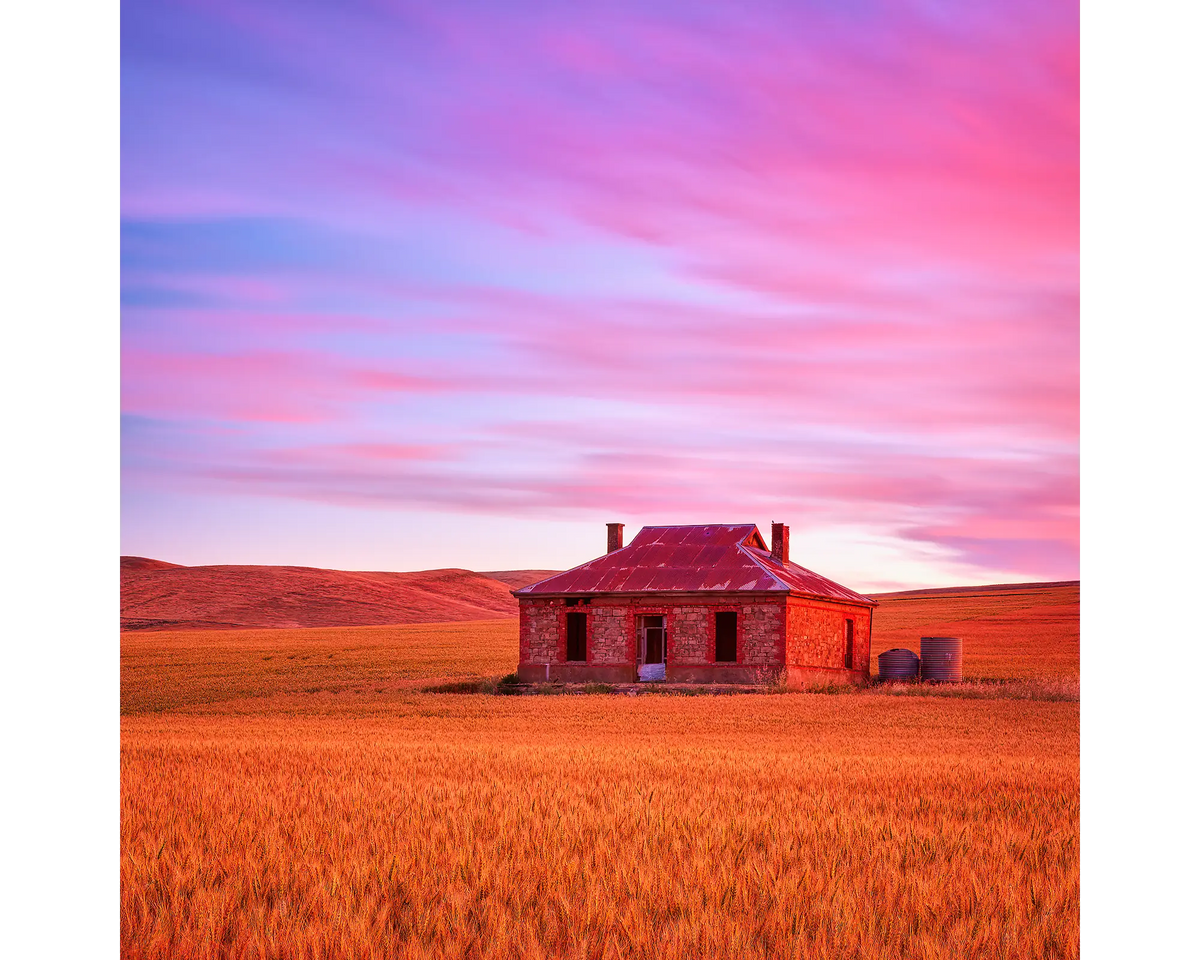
{"x": 577, "y": 636}
{"x": 849, "y": 644}
{"x": 576, "y": 601}
{"x": 570, "y": 601}
{"x": 727, "y": 637}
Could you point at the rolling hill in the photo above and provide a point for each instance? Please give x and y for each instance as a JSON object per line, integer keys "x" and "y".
{"x": 156, "y": 595}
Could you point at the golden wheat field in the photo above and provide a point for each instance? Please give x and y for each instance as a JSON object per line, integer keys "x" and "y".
{"x": 292, "y": 793}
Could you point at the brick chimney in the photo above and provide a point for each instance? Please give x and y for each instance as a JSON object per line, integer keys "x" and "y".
{"x": 616, "y": 536}
{"x": 779, "y": 542}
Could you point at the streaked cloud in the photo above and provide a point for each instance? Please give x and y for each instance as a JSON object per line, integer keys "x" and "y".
{"x": 660, "y": 261}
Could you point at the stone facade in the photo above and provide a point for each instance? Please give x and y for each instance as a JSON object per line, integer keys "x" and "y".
{"x": 542, "y": 629}
{"x": 816, "y": 635}
{"x": 802, "y": 639}
{"x": 689, "y": 635}
{"x": 760, "y": 634}
{"x": 607, "y": 634}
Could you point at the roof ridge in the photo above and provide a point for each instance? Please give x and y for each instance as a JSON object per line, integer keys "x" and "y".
{"x": 704, "y": 557}
{"x": 696, "y": 526}
{"x": 769, "y": 572}
{"x": 811, "y": 573}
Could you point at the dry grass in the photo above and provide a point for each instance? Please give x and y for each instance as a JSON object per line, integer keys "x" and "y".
{"x": 293, "y": 793}
{"x": 432, "y": 826}
{"x": 162, "y": 670}
{"x": 1024, "y": 633}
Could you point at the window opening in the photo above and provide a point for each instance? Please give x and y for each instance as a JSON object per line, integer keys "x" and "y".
{"x": 726, "y": 637}
{"x": 849, "y": 644}
{"x": 577, "y": 636}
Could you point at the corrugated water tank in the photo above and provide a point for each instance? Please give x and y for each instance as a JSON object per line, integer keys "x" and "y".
{"x": 899, "y": 664}
{"x": 941, "y": 658}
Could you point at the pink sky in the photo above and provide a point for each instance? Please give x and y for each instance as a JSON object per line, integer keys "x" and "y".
{"x": 456, "y": 284}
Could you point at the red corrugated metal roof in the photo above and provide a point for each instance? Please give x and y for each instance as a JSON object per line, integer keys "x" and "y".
{"x": 710, "y": 558}
{"x": 803, "y": 581}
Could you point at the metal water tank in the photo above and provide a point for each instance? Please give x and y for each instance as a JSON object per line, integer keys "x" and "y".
{"x": 941, "y": 658}
{"x": 899, "y": 664}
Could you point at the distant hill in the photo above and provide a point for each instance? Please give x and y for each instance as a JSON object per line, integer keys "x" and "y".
{"x": 145, "y": 563}
{"x": 156, "y": 595}
{"x": 991, "y": 589}
{"x": 519, "y": 578}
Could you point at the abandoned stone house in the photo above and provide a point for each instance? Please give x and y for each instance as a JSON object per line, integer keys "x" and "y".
{"x": 694, "y": 604}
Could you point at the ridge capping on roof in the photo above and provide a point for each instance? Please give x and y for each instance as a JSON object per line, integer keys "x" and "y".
{"x": 692, "y": 558}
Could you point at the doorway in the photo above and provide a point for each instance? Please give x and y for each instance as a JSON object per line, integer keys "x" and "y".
{"x": 652, "y": 647}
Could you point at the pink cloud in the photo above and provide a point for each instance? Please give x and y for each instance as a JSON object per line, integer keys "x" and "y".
{"x": 340, "y": 453}
{"x": 843, "y": 245}
{"x": 274, "y": 387}
{"x": 955, "y": 144}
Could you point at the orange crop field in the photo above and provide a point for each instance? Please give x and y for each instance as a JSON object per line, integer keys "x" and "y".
{"x": 294, "y": 793}
{"x": 1007, "y": 632}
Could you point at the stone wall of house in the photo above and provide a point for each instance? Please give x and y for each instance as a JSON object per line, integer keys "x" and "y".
{"x": 541, "y": 630}
{"x": 691, "y": 630}
{"x": 816, "y": 634}
{"x": 761, "y": 634}
{"x": 607, "y": 626}
{"x": 689, "y": 634}
{"x": 800, "y": 632}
